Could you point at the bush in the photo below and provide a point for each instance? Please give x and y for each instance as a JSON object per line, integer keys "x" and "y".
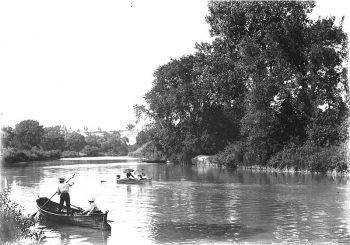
{"x": 319, "y": 162}
{"x": 339, "y": 158}
{"x": 12, "y": 155}
{"x": 230, "y": 156}
{"x": 67, "y": 154}
{"x": 149, "y": 151}
{"x": 13, "y": 224}
{"x": 90, "y": 151}
{"x": 313, "y": 158}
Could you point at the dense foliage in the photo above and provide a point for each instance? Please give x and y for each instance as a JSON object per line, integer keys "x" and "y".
{"x": 30, "y": 141}
{"x": 146, "y": 147}
{"x": 272, "y": 77}
{"x": 14, "y": 225}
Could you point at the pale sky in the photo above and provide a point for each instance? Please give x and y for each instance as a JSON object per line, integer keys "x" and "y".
{"x": 86, "y": 63}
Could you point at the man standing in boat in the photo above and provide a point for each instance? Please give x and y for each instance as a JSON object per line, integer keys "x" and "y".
{"x": 63, "y": 191}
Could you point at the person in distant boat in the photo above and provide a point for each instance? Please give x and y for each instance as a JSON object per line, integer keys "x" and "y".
{"x": 93, "y": 207}
{"x": 129, "y": 175}
{"x": 63, "y": 191}
{"x": 143, "y": 176}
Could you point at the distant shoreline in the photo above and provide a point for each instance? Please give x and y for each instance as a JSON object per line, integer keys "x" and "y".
{"x": 83, "y": 158}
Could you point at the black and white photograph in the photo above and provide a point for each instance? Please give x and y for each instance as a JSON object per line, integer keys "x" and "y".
{"x": 174, "y": 122}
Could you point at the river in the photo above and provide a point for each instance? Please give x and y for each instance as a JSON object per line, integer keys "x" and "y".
{"x": 189, "y": 204}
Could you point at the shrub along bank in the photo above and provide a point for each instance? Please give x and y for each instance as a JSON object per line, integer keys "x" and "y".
{"x": 14, "y": 225}
{"x": 308, "y": 157}
{"x": 13, "y": 155}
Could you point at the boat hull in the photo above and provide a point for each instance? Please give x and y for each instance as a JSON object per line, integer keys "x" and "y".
{"x": 133, "y": 181}
{"x": 153, "y": 161}
{"x": 50, "y": 212}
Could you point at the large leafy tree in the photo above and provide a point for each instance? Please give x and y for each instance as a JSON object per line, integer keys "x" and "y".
{"x": 271, "y": 77}
{"x": 111, "y": 142}
{"x": 93, "y": 140}
{"x": 53, "y": 138}
{"x": 27, "y": 134}
{"x": 7, "y": 136}
{"x": 74, "y": 141}
{"x": 292, "y": 66}
{"x": 196, "y": 102}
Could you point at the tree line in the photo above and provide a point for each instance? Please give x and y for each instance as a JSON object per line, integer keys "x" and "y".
{"x": 270, "y": 89}
{"x": 30, "y": 141}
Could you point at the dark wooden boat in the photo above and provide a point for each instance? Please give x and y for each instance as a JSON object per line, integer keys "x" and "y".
{"x": 153, "y": 161}
{"x": 50, "y": 212}
{"x": 133, "y": 181}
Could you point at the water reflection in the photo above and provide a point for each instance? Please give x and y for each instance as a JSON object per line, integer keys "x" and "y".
{"x": 73, "y": 235}
{"x": 192, "y": 232}
{"x": 189, "y": 204}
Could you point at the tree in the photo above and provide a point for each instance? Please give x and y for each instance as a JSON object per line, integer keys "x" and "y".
{"x": 90, "y": 151}
{"x": 74, "y": 141}
{"x": 130, "y": 126}
{"x": 7, "y": 137}
{"x": 261, "y": 81}
{"x": 93, "y": 140}
{"x": 53, "y": 138}
{"x": 28, "y": 133}
{"x": 112, "y": 143}
{"x": 196, "y": 101}
{"x": 142, "y": 138}
{"x": 291, "y": 64}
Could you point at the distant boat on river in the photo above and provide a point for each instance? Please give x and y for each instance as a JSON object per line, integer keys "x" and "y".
{"x": 153, "y": 161}
{"x": 133, "y": 181}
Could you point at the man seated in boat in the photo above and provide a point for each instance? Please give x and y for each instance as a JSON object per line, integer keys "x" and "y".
{"x": 142, "y": 176}
{"x": 93, "y": 207}
{"x": 63, "y": 191}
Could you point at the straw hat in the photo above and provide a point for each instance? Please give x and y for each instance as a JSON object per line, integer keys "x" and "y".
{"x": 92, "y": 199}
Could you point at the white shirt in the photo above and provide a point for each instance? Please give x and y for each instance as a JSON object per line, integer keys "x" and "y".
{"x": 64, "y": 187}
{"x": 93, "y": 208}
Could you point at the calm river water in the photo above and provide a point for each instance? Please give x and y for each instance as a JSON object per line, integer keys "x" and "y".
{"x": 189, "y": 204}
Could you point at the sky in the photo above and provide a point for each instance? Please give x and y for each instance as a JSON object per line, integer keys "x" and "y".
{"x": 85, "y": 63}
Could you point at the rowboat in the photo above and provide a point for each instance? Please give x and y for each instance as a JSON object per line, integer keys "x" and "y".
{"x": 133, "y": 181}
{"x": 49, "y": 210}
{"x": 153, "y": 161}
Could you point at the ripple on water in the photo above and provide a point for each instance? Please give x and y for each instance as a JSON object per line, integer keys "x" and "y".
{"x": 184, "y": 205}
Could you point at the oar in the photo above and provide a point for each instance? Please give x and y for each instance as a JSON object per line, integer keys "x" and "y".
{"x": 32, "y": 216}
{"x": 77, "y": 207}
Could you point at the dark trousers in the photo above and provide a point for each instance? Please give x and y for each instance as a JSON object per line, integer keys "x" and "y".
{"x": 64, "y": 198}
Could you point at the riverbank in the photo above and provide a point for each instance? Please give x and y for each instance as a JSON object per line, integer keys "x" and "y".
{"x": 256, "y": 168}
{"x": 14, "y": 156}
{"x": 211, "y": 161}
